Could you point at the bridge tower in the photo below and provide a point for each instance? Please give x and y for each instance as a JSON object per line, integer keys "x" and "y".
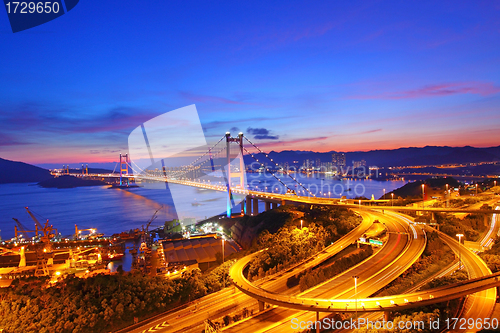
{"x": 230, "y": 174}
{"x": 124, "y": 163}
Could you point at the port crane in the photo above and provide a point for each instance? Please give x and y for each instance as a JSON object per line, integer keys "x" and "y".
{"x": 48, "y": 232}
{"x": 20, "y": 229}
{"x": 146, "y": 238}
{"x": 79, "y": 231}
{"x": 44, "y": 256}
{"x": 147, "y": 259}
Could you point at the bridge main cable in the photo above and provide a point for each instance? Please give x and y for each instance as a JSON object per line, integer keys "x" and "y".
{"x": 190, "y": 164}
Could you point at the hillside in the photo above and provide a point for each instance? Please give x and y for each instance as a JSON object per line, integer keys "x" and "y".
{"x": 69, "y": 182}
{"x": 19, "y": 172}
{"x": 414, "y": 189}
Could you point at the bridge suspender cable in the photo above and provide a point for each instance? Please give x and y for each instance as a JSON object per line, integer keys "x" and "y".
{"x": 284, "y": 171}
{"x": 278, "y": 179}
{"x": 210, "y": 152}
{"x": 185, "y": 168}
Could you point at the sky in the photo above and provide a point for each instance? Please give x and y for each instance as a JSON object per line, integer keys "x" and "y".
{"x": 294, "y": 75}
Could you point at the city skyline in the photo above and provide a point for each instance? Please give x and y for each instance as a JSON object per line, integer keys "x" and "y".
{"x": 321, "y": 77}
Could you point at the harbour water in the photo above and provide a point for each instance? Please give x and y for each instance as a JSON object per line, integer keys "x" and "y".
{"x": 115, "y": 210}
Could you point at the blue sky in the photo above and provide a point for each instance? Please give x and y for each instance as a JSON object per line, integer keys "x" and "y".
{"x": 317, "y": 76}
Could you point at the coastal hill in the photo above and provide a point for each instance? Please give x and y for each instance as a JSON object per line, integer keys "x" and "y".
{"x": 414, "y": 189}
{"x": 67, "y": 181}
{"x": 19, "y": 172}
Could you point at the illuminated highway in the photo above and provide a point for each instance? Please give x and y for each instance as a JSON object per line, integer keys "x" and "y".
{"x": 229, "y": 301}
{"x": 473, "y": 302}
{"x": 214, "y": 306}
{"x": 401, "y": 250}
{"x": 481, "y": 309}
{"x": 478, "y": 305}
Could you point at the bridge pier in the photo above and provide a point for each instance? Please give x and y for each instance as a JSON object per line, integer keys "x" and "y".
{"x": 387, "y": 315}
{"x": 261, "y": 305}
{"x": 249, "y": 205}
{"x": 255, "y": 206}
{"x": 268, "y": 206}
{"x": 317, "y": 322}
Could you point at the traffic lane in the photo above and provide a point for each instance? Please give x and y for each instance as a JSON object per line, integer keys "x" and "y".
{"x": 181, "y": 321}
{"x": 369, "y": 288}
{"x": 375, "y": 265}
{"x": 481, "y": 304}
{"x": 394, "y": 225}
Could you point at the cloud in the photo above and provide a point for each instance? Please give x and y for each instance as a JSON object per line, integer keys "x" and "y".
{"x": 55, "y": 119}
{"x": 358, "y": 133}
{"x": 261, "y": 134}
{"x": 105, "y": 151}
{"x": 437, "y": 90}
{"x": 218, "y": 124}
{"x": 7, "y": 140}
{"x": 275, "y": 144}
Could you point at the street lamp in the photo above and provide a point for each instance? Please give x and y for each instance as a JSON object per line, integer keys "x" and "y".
{"x": 476, "y": 189}
{"x": 423, "y": 196}
{"x": 384, "y": 193}
{"x": 223, "y": 273}
{"x": 459, "y": 252}
{"x": 355, "y": 277}
{"x": 447, "y": 196}
{"x": 392, "y": 199}
{"x": 301, "y": 224}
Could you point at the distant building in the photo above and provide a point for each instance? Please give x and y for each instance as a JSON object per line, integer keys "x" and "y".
{"x": 338, "y": 159}
{"x": 173, "y": 226}
{"x": 307, "y": 164}
{"x": 358, "y": 164}
{"x": 201, "y": 250}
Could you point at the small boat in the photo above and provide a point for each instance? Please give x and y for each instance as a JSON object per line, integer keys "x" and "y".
{"x": 113, "y": 256}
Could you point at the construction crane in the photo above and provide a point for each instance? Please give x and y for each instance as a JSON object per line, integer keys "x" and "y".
{"x": 46, "y": 229}
{"x": 21, "y": 229}
{"x": 38, "y": 224}
{"x": 145, "y": 232}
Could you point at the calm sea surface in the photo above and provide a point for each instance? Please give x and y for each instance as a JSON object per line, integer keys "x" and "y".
{"x": 114, "y": 210}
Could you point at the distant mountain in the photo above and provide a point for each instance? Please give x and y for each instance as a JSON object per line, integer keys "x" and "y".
{"x": 19, "y": 172}
{"x": 105, "y": 165}
{"x": 429, "y": 155}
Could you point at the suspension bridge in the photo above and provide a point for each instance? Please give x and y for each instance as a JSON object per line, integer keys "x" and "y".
{"x": 221, "y": 168}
